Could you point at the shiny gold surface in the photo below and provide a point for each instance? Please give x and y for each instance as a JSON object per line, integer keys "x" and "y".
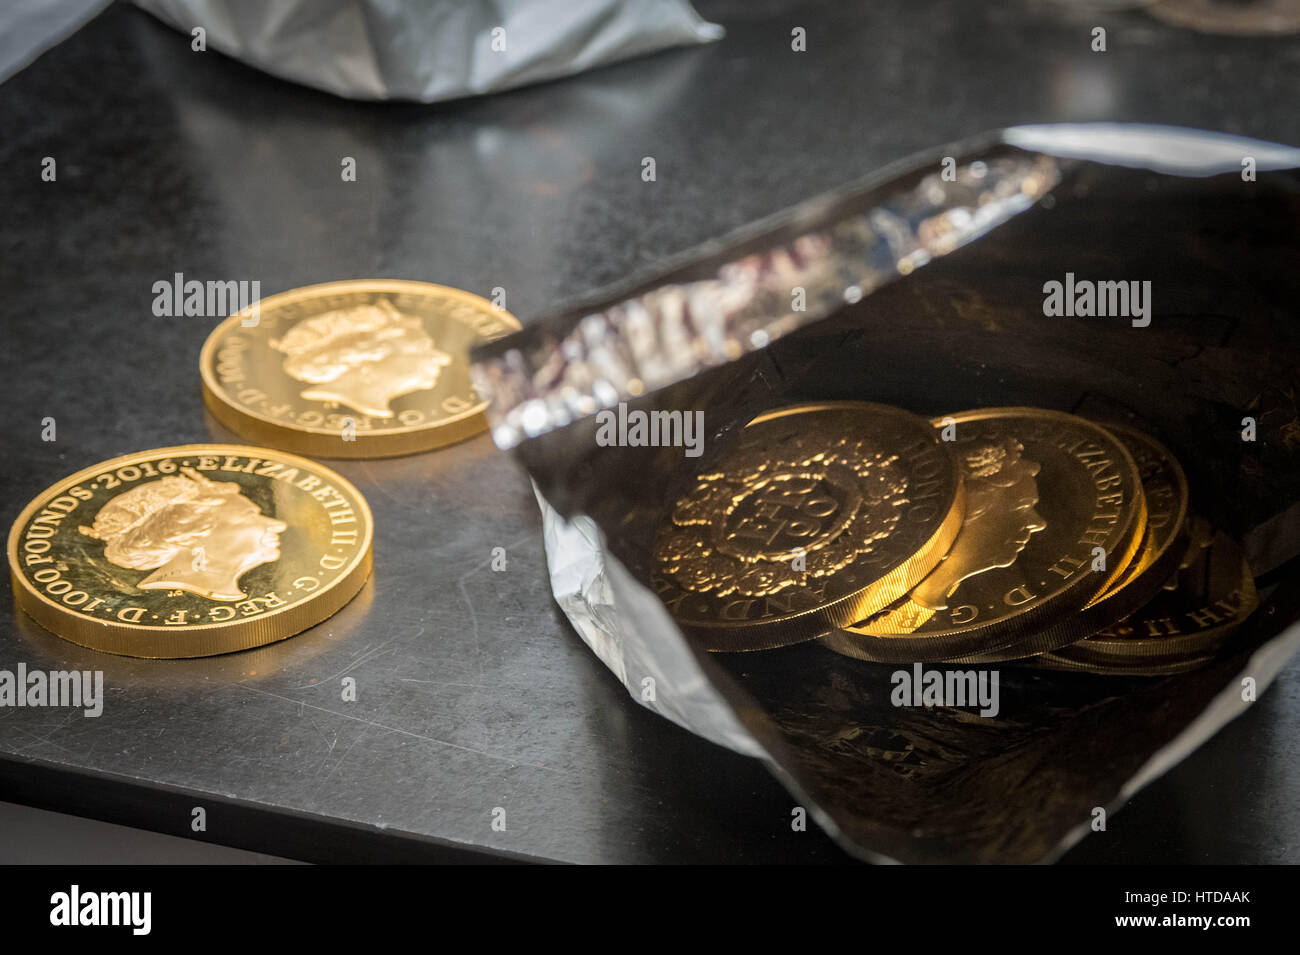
{"x": 1044, "y": 489}
{"x": 1211, "y": 595}
{"x": 357, "y": 369}
{"x": 190, "y": 551}
{"x": 1164, "y": 486}
{"x": 821, "y": 514}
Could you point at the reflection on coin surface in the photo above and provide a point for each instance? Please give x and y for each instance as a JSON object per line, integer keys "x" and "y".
{"x": 1164, "y": 486}
{"x": 190, "y": 551}
{"x": 1211, "y": 595}
{"x": 359, "y": 369}
{"x": 820, "y": 514}
{"x": 1048, "y": 494}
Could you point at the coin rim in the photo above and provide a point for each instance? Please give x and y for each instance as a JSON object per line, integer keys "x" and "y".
{"x": 1137, "y": 667}
{"x": 323, "y": 442}
{"x": 137, "y": 640}
{"x": 1160, "y": 564}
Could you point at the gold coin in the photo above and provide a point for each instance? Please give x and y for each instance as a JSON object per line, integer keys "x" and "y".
{"x": 1164, "y": 542}
{"x": 1212, "y": 594}
{"x": 821, "y": 514}
{"x": 360, "y": 369}
{"x": 1049, "y": 496}
{"x": 1164, "y": 488}
{"x": 190, "y": 551}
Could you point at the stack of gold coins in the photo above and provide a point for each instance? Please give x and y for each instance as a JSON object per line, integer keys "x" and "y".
{"x": 208, "y": 548}
{"x": 1211, "y": 594}
{"x": 983, "y": 536}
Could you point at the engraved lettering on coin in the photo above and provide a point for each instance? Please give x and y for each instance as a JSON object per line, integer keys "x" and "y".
{"x": 1164, "y": 487}
{"x": 190, "y": 551}
{"x": 1022, "y": 582}
{"x": 820, "y": 514}
{"x": 362, "y": 357}
{"x": 1209, "y": 597}
{"x": 158, "y": 525}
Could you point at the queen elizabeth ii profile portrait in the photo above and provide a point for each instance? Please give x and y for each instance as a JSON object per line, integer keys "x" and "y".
{"x": 1000, "y": 518}
{"x": 362, "y": 357}
{"x": 195, "y": 535}
{"x": 1001, "y": 494}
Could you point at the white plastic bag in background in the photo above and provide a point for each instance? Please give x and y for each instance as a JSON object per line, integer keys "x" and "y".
{"x": 433, "y": 49}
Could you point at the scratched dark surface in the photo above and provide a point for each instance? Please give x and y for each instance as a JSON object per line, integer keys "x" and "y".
{"x": 473, "y": 692}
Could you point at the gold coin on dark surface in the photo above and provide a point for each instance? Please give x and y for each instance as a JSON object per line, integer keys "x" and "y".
{"x": 357, "y": 369}
{"x": 190, "y": 551}
{"x": 821, "y": 514}
{"x": 1212, "y": 594}
{"x": 1050, "y": 497}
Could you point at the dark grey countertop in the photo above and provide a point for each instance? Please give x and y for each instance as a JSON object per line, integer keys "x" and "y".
{"x": 473, "y": 691}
